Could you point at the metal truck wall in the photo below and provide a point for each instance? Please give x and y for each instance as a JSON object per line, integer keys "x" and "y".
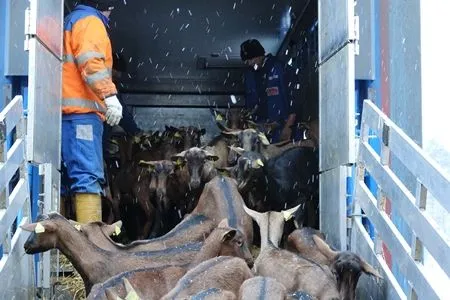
{"x": 16, "y": 59}
{"x": 336, "y": 113}
{"x": 162, "y": 42}
{"x": 44, "y": 99}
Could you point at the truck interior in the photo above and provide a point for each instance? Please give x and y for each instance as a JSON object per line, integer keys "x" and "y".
{"x": 183, "y": 58}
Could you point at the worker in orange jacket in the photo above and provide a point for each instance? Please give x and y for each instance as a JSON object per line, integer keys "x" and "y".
{"x": 89, "y": 99}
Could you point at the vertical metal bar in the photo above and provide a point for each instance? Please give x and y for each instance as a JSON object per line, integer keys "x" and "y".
{"x": 47, "y": 208}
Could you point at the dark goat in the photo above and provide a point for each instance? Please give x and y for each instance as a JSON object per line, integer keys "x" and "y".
{"x": 347, "y": 266}
{"x": 284, "y": 181}
{"x": 162, "y": 173}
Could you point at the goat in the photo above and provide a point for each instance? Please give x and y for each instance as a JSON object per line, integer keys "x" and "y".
{"x": 223, "y": 272}
{"x": 222, "y": 241}
{"x": 347, "y": 266}
{"x": 301, "y": 241}
{"x": 262, "y": 288}
{"x": 294, "y": 271}
{"x": 96, "y": 265}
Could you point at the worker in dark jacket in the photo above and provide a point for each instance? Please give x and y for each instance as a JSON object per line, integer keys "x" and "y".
{"x": 89, "y": 99}
{"x": 271, "y": 88}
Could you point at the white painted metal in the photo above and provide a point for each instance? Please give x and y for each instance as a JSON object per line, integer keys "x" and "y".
{"x": 333, "y": 206}
{"x": 337, "y": 110}
{"x": 44, "y": 105}
{"x": 408, "y": 255}
{"x": 16, "y": 268}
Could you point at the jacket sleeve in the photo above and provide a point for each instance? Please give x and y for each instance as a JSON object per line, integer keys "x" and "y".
{"x": 90, "y": 42}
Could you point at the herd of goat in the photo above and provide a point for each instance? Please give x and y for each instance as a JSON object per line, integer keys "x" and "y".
{"x": 190, "y": 211}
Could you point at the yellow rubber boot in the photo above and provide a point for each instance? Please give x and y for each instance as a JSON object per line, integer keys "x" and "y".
{"x": 62, "y": 207}
{"x": 88, "y": 208}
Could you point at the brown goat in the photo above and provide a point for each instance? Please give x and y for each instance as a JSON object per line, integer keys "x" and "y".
{"x": 221, "y": 199}
{"x": 213, "y": 294}
{"x": 262, "y": 288}
{"x": 222, "y": 241}
{"x": 223, "y": 272}
{"x": 294, "y": 271}
{"x": 97, "y": 265}
{"x": 301, "y": 241}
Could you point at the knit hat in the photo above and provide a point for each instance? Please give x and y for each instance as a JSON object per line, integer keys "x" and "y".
{"x": 251, "y": 49}
{"x": 101, "y": 5}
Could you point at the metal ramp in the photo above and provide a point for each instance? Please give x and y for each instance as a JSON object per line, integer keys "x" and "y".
{"x": 426, "y": 234}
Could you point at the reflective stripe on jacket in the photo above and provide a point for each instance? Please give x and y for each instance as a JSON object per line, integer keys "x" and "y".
{"x": 87, "y": 63}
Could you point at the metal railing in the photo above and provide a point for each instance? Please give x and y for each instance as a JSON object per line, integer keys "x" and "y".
{"x": 16, "y": 268}
{"x": 407, "y": 254}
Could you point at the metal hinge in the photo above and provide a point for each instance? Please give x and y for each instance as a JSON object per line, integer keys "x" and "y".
{"x": 355, "y": 34}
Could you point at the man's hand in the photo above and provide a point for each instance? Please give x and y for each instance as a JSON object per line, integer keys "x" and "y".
{"x": 113, "y": 110}
{"x": 286, "y": 133}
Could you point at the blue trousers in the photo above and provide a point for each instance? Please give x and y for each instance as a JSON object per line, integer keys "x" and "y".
{"x": 82, "y": 156}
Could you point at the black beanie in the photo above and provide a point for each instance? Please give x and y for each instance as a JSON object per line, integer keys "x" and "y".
{"x": 101, "y": 5}
{"x": 251, "y": 49}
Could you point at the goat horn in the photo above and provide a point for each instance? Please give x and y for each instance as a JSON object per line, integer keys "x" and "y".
{"x": 368, "y": 269}
{"x": 131, "y": 293}
{"x": 110, "y": 295}
{"x": 254, "y": 214}
{"x": 289, "y": 213}
{"x": 324, "y": 248}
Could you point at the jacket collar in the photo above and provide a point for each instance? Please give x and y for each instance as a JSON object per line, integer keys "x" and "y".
{"x": 94, "y": 11}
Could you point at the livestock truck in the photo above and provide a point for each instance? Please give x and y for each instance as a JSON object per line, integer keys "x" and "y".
{"x": 368, "y": 71}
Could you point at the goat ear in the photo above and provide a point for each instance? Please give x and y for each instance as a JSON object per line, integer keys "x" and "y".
{"x": 228, "y": 131}
{"x": 368, "y": 269}
{"x": 29, "y": 227}
{"x": 223, "y": 223}
{"x": 179, "y": 156}
{"x": 131, "y": 292}
{"x": 289, "y": 213}
{"x": 238, "y": 150}
{"x": 111, "y": 295}
{"x": 113, "y": 229}
{"x": 149, "y": 164}
{"x": 324, "y": 248}
{"x": 229, "y": 235}
{"x": 263, "y": 139}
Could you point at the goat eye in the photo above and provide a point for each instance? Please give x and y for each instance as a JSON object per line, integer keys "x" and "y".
{"x": 240, "y": 244}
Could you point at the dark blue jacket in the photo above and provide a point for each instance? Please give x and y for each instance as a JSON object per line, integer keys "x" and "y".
{"x": 273, "y": 88}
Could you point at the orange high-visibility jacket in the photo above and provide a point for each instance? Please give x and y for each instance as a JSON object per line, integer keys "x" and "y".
{"x": 87, "y": 62}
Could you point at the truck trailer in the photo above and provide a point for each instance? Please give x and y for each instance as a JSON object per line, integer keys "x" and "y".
{"x": 360, "y": 67}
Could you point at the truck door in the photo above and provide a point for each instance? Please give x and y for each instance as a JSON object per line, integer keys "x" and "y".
{"x": 337, "y": 44}
{"x": 44, "y": 29}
